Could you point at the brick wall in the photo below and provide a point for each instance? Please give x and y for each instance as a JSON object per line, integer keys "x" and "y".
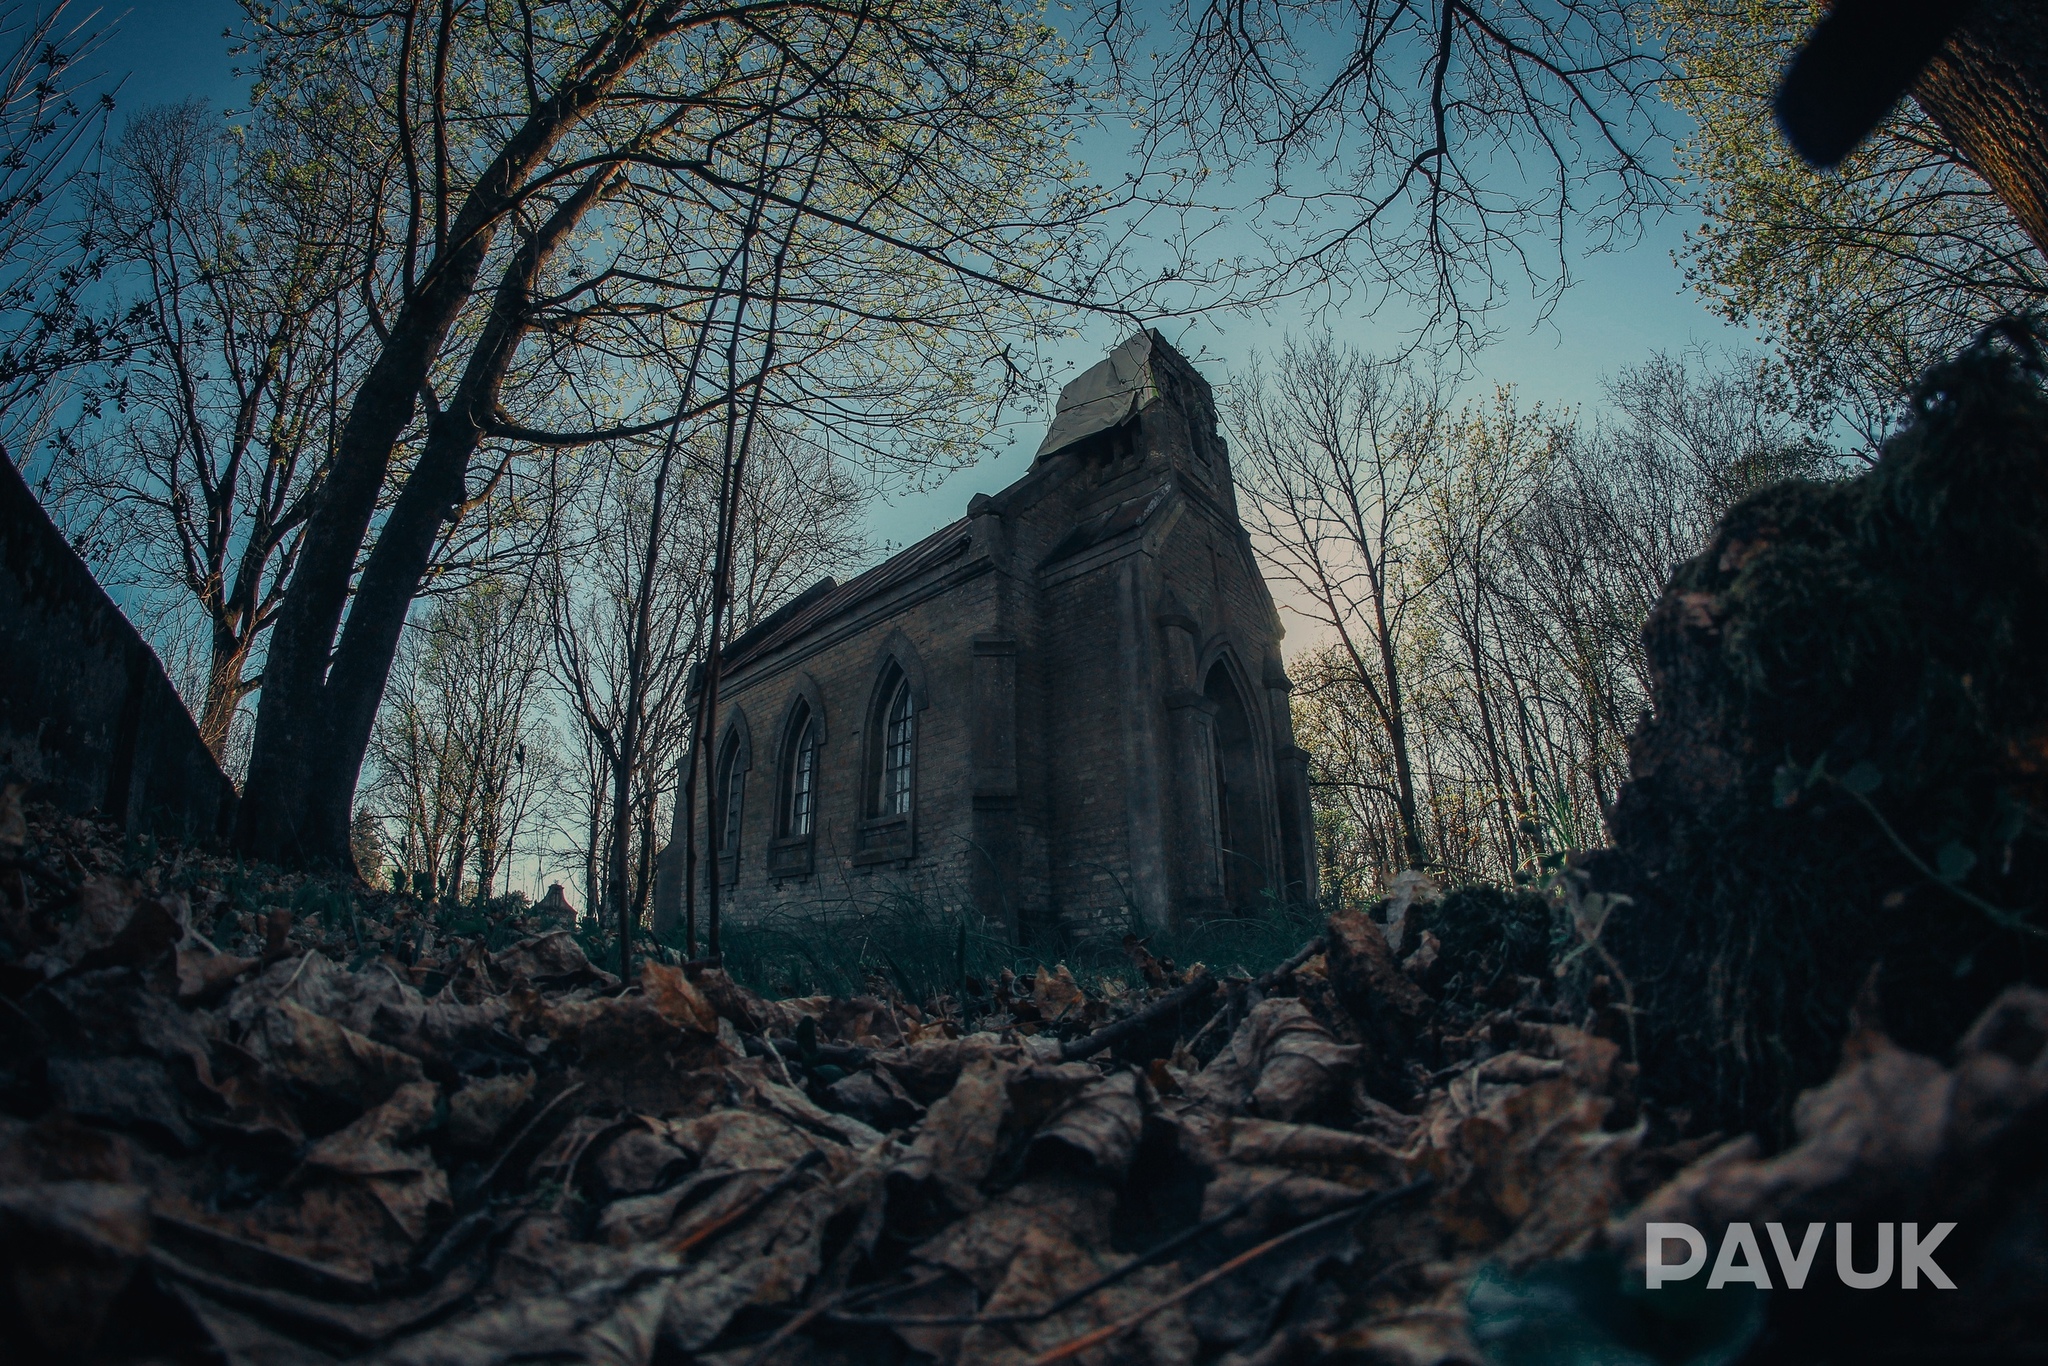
{"x": 840, "y": 667}
{"x": 87, "y": 715}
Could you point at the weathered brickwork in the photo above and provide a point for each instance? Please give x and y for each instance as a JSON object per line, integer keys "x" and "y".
{"x": 1101, "y": 732}
{"x": 88, "y": 720}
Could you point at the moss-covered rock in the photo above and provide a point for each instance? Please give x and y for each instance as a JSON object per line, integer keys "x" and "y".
{"x": 1846, "y": 767}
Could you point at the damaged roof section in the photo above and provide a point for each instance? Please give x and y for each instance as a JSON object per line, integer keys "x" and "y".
{"x": 1103, "y": 396}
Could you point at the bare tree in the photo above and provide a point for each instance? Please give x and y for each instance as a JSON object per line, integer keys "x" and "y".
{"x": 627, "y": 575}
{"x": 51, "y": 126}
{"x": 194, "y": 471}
{"x": 1541, "y": 541}
{"x": 1433, "y": 151}
{"x": 1337, "y": 451}
{"x": 559, "y": 200}
{"x": 461, "y": 755}
{"x": 797, "y": 519}
{"x": 1500, "y": 455}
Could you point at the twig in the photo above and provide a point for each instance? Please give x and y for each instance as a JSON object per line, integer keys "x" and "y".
{"x": 491, "y": 1172}
{"x": 775, "y": 1055}
{"x": 304, "y": 959}
{"x": 581, "y": 1146}
{"x": 1112, "y": 1034}
{"x": 788, "y": 1331}
{"x": 868, "y": 1294}
{"x": 710, "y": 1229}
{"x": 1271, "y": 978}
{"x": 850, "y": 1056}
{"x": 1264, "y": 983}
{"x": 2011, "y": 920}
{"x": 1109, "y": 1332}
{"x": 451, "y": 1244}
{"x": 1072, "y": 1297}
{"x": 1220, "y": 1014}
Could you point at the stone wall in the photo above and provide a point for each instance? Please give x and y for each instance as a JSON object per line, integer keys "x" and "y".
{"x": 87, "y": 716}
{"x": 930, "y": 625}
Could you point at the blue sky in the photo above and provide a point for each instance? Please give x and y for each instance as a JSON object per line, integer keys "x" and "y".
{"x": 1624, "y": 305}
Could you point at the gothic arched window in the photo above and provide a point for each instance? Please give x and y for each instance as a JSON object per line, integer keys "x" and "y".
{"x": 729, "y": 809}
{"x": 732, "y": 786}
{"x": 800, "y": 775}
{"x": 888, "y": 803}
{"x": 1240, "y": 821}
{"x": 899, "y": 746}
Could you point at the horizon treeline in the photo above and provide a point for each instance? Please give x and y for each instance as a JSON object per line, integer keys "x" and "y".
{"x": 438, "y": 412}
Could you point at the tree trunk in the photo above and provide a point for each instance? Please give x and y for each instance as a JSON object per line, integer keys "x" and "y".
{"x": 593, "y": 851}
{"x": 397, "y": 564}
{"x": 621, "y": 880}
{"x": 643, "y": 886}
{"x": 686, "y": 804}
{"x": 1490, "y": 737}
{"x": 314, "y": 724}
{"x": 224, "y": 690}
{"x": 289, "y": 810}
{"x": 1397, "y": 738}
{"x": 1987, "y": 91}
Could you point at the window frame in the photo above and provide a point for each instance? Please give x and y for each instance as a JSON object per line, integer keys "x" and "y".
{"x": 896, "y": 792}
{"x": 729, "y": 799}
{"x": 800, "y": 789}
{"x": 887, "y": 827}
{"x": 790, "y": 851}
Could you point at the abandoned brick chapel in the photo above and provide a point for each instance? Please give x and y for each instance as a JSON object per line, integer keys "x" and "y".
{"x": 1065, "y": 711}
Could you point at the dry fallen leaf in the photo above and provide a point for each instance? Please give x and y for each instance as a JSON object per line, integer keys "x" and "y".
{"x": 678, "y": 1000}
{"x": 69, "y": 1248}
{"x": 1055, "y": 994}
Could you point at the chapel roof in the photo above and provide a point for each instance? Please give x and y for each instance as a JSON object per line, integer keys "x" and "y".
{"x": 1103, "y": 396}
{"x": 827, "y": 599}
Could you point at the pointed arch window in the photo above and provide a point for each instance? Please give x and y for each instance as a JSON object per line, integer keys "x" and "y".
{"x": 1240, "y": 812}
{"x": 899, "y": 742}
{"x": 732, "y": 782}
{"x": 800, "y": 776}
{"x": 729, "y": 809}
{"x": 889, "y": 767}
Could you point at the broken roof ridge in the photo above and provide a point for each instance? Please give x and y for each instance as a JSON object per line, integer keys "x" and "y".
{"x": 1106, "y": 394}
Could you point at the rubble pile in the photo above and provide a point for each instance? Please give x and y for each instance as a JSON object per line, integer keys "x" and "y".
{"x": 1371, "y": 1153}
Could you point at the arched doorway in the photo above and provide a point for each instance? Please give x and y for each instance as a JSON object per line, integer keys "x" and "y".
{"x": 1236, "y": 790}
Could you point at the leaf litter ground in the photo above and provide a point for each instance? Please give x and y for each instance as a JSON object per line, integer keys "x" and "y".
{"x": 484, "y": 1157}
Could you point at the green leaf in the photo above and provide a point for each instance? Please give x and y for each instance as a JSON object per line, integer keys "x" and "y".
{"x": 1863, "y": 779}
{"x": 1955, "y": 861}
